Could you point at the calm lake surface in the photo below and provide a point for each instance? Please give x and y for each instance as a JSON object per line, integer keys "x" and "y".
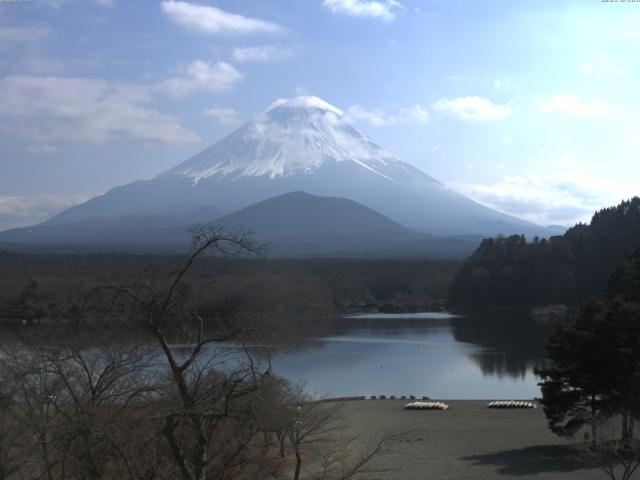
{"x": 434, "y": 354}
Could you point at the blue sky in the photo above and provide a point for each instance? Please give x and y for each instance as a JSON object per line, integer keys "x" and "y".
{"x": 528, "y": 107}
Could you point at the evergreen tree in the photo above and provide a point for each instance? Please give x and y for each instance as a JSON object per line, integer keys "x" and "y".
{"x": 575, "y": 390}
{"x": 596, "y": 361}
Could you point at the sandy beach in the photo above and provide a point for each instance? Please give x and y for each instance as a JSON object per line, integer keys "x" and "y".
{"x": 468, "y": 441}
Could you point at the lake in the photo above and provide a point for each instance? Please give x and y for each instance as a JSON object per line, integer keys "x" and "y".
{"x": 435, "y": 354}
{"x": 431, "y": 353}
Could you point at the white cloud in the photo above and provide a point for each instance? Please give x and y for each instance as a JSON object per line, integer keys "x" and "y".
{"x": 25, "y": 34}
{"x": 22, "y": 211}
{"x": 378, "y": 118}
{"x": 572, "y": 105}
{"x": 225, "y": 115}
{"x": 374, "y": 117}
{"x": 46, "y": 109}
{"x": 561, "y": 198}
{"x": 202, "y": 76}
{"x": 383, "y": 9}
{"x": 472, "y": 108}
{"x": 263, "y": 53}
{"x": 210, "y": 20}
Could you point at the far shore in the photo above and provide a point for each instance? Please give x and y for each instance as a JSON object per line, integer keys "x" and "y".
{"x": 468, "y": 441}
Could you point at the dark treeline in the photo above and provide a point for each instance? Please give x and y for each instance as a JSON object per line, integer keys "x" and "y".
{"x": 569, "y": 269}
{"x": 54, "y": 288}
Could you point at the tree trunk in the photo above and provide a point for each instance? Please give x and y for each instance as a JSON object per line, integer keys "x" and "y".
{"x": 200, "y": 470}
{"x": 179, "y": 457}
{"x": 594, "y": 422}
{"x": 627, "y": 434}
{"x": 45, "y": 454}
{"x": 296, "y": 476}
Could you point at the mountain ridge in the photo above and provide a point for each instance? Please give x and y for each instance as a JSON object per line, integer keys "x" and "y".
{"x": 304, "y": 144}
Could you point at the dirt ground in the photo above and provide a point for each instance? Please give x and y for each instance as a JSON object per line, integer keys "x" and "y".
{"x": 468, "y": 441}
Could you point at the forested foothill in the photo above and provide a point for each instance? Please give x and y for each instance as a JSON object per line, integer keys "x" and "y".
{"x": 569, "y": 269}
{"x": 53, "y": 288}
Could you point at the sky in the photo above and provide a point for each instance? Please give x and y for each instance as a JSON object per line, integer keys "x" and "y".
{"x": 527, "y": 107}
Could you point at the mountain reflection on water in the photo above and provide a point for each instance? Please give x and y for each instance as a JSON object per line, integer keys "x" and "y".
{"x": 490, "y": 356}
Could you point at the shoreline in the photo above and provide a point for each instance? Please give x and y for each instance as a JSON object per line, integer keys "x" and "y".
{"x": 420, "y": 398}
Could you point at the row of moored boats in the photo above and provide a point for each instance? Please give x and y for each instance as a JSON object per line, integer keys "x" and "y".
{"x": 444, "y": 406}
{"x": 426, "y": 406}
{"x": 511, "y": 404}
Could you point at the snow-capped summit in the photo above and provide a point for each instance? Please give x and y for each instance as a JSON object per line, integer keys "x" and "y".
{"x": 291, "y": 137}
{"x": 303, "y": 144}
{"x": 306, "y": 103}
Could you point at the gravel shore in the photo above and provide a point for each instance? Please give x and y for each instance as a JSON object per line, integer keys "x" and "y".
{"x": 468, "y": 441}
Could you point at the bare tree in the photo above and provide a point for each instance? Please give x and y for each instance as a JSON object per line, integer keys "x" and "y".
{"x": 316, "y": 432}
{"x": 311, "y": 423}
{"x": 31, "y": 393}
{"x": 99, "y": 387}
{"x": 10, "y": 439}
{"x": 205, "y": 396}
{"x": 344, "y": 458}
{"x": 72, "y": 401}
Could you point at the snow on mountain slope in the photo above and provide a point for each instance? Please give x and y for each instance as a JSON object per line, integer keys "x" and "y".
{"x": 292, "y": 137}
{"x": 304, "y": 144}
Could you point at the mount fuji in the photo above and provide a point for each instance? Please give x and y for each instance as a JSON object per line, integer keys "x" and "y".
{"x": 299, "y": 145}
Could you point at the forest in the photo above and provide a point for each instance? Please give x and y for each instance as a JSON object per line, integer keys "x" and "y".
{"x": 53, "y": 288}
{"x": 568, "y": 269}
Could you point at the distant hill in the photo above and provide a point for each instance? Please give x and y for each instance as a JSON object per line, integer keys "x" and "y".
{"x": 572, "y": 268}
{"x": 295, "y": 224}
{"x": 300, "y": 214}
{"x": 299, "y": 224}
